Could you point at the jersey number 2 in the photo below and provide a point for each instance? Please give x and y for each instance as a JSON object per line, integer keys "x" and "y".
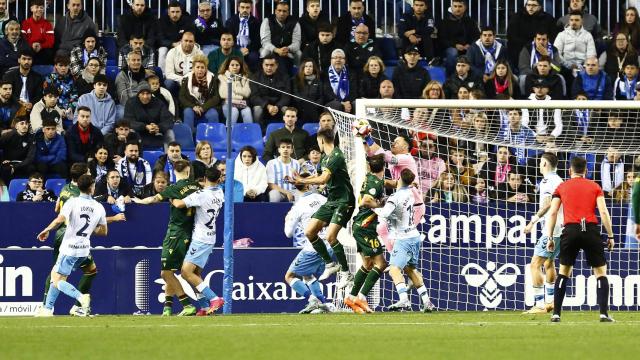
{"x": 214, "y": 214}
{"x": 82, "y": 232}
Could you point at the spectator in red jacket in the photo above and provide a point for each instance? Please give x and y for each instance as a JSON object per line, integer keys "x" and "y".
{"x": 39, "y": 33}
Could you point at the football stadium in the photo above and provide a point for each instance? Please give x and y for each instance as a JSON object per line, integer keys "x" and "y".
{"x": 352, "y": 179}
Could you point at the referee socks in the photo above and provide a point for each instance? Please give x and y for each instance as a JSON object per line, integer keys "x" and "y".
{"x": 603, "y": 295}
{"x": 560, "y": 290}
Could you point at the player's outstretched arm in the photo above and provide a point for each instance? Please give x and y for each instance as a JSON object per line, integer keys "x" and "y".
{"x": 178, "y": 203}
{"x": 606, "y": 220}
{"x": 44, "y": 234}
{"x": 546, "y": 205}
{"x": 321, "y": 179}
{"x": 369, "y": 202}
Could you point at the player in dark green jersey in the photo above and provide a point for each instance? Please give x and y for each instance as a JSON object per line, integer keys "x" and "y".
{"x": 364, "y": 231}
{"x": 176, "y": 242}
{"x": 88, "y": 266}
{"x": 338, "y": 209}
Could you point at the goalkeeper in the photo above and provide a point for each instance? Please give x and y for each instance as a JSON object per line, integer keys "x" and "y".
{"x": 366, "y": 236}
{"x": 336, "y": 212}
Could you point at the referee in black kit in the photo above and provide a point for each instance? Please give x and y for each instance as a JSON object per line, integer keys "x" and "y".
{"x": 579, "y": 198}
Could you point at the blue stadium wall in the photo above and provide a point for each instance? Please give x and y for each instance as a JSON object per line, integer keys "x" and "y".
{"x": 465, "y": 268}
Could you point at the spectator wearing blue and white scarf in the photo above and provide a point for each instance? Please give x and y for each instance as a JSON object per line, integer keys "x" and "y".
{"x": 625, "y": 86}
{"x": 485, "y": 52}
{"x": 337, "y": 83}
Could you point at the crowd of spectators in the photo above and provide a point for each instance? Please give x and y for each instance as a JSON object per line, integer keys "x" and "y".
{"x": 174, "y": 68}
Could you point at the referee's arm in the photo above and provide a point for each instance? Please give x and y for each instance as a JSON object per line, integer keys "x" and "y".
{"x": 606, "y": 220}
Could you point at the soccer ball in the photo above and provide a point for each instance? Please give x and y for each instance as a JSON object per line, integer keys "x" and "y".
{"x": 361, "y": 127}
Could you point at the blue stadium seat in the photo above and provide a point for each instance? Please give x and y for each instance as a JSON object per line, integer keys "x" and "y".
{"x": 437, "y": 73}
{"x": 247, "y": 134}
{"x": 55, "y": 185}
{"x": 223, "y": 156}
{"x": 112, "y": 62}
{"x": 16, "y": 186}
{"x": 388, "y": 71}
{"x": 214, "y": 133}
{"x": 184, "y": 136}
{"x": 43, "y": 70}
{"x": 112, "y": 72}
{"x": 152, "y": 156}
{"x": 271, "y": 128}
{"x": 388, "y": 49}
{"x": 110, "y": 46}
{"x": 311, "y": 128}
{"x": 190, "y": 154}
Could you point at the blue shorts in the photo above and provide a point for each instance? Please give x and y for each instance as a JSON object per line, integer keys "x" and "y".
{"x": 198, "y": 253}
{"x": 541, "y": 247}
{"x": 66, "y": 264}
{"x": 308, "y": 263}
{"x": 406, "y": 252}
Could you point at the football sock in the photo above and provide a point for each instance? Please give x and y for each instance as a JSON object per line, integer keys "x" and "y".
{"x": 68, "y": 289}
{"x": 358, "y": 280}
{"x": 84, "y": 285}
{"x": 424, "y": 294}
{"x": 338, "y": 251}
{"x": 52, "y": 295}
{"x": 314, "y": 285}
{"x": 538, "y": 295}
{"x": 549, "y": 298}
{"x": 300, "y": 287}
{"x": 168, "y": 301}
{"x": 202, "y": 301}
{"x": 184, "y": 300}
{"x": 46, "y": 289}
{"x": 603, "y": 295}
{"x": 401, "y": 288}
{"x": 560, "y": 290}
{"x": 370, "y": 281}
{"x": 206, "y": 291}
{"x": 321, "y": 249}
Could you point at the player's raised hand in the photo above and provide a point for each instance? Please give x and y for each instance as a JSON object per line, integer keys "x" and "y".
{"x": 551, "y": 244}
{"x": 44, "y": 235}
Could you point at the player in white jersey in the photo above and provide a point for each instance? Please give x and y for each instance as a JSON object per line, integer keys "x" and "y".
{"x": 207, "y": 203}
{"x": 83, "y": 216}
{"x": 306, "y": 268}
{"x": 398, "y": 214}
{"x": 541, "y": 256}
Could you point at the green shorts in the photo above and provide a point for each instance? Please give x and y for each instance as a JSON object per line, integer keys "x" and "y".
{"x": 174, "y": 248}
{"x": 56, "y": 251}
{"x": 367, "y": 241}
{"x": 335, "y": 213}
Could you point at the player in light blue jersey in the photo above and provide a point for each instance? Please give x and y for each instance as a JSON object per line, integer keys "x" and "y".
{"x": 398, "y": 215}
{"x": 83, "y": 216}
{"x": 207, "y": 203}
{"x": 541, "y": 256}
{"x": 306, "y": 268}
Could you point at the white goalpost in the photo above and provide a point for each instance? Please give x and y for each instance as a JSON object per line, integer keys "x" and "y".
{"x": 478, "y": 168}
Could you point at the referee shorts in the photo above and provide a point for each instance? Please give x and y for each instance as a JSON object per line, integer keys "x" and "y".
{"x": 573, "y": 239}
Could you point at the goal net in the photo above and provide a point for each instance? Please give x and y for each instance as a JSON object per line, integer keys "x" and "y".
{"x": 479, "y": 174}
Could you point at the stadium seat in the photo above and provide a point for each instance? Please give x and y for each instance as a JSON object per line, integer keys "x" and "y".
{"x": 272, "y": 127}
{"x": 311, "y": 128}
{"x": 184, "y": 136}
{"x": 223, "y": 156}
{"x": 43, "y": 70}
{"x": 389, "y": 51}
{"x": 16, "y": 186}
{"x": 437, "y": 73}
{"x": 388, "y": 71}
{"x": 55, "y": 185}
{"x": 152, "y": 156}
{"x": 190, "y": 154}
{"x": 109, "y": 45}
{"x": 112, "y": 62}
{"x": 214, "y": 133}
{"x": 247, "y": 134}
{"x": 112, "y": 72}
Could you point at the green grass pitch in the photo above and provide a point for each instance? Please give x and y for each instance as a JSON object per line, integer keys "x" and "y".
{"x": 390, "y": 336}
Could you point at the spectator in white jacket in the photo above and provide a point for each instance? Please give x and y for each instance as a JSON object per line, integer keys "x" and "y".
{"x": 252, "y": 174}
{"x": 179, "y": 61}
{"x": 575, "y": 44}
